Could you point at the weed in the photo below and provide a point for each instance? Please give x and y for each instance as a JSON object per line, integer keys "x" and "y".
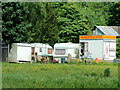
{"x": 107, "y": 72}
{"x": 93, "y": 74}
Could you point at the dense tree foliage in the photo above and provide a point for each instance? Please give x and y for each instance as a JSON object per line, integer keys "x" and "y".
{"x": 55, "y": 22}
{"x": 35, "y": 18}
{"x": 72, "y": 22}
{"x": 14, "y": 27}
{"x": 114, "y": 19}
{"x": 49, "y": 29}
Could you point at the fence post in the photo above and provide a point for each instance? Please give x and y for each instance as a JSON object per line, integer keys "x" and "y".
{"x": 8, "y": 52}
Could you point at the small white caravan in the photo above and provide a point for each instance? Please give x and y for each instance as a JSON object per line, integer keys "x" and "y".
{"x": 20, "y": 52}
{"x": 41, "y": 49}
{"x": 62, "y": 51}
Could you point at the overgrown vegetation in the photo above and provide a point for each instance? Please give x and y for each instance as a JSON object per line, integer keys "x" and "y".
{"x": 58, "y": 76}
{"x": 118, "y": 47}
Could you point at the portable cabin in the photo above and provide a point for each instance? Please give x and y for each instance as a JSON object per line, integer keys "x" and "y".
{"x": 41, "y": 50}
{"x": 20, "y": 52}
{"x": 65, "y": 51}
{"x": 98, "y": 46}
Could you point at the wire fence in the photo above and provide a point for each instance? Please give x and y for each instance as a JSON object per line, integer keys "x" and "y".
{"x": 5, "y": 52}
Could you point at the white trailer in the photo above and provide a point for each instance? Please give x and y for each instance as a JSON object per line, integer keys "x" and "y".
{"x": 99, "y": 46}
{"x": 20, "y": 52}
{"x": 64, "y": 51}
{"x": 41, "y": 50}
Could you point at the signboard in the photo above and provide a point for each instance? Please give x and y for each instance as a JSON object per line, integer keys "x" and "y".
{"x": 91, "y": 37}
{"x": 109, "y": 37}
{"x": 97, "y": 37}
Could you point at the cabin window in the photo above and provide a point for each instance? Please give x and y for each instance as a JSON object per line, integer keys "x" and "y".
{"x": 49, "y": 51}
{"x": 60, "y": 51}
{"x": 40, "y": 49}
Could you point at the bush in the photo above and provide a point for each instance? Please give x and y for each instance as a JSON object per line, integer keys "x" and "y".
{"x": 107, "y": 72}
{"x": 93, "y": 74}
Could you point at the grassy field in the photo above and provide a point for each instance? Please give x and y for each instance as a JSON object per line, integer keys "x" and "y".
{"x": 58, "y": 76}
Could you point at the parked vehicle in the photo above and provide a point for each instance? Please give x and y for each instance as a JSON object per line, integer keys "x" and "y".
{"x": 20, "y": 52}
{"x": 41, "y": 51}
{"x": 65, "y": 51}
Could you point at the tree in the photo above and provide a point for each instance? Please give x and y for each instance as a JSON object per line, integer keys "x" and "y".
{"x": 114, "y": 19}
{"x": 36, "y": 18}
{"x": 97, "y": 13}
{"x": 118, "y": 47}
{"x": 29, "y": 22}
{"x": 14, "y": 27}
{"x": 49, "y": 28}
{"x": 71, "y": 22}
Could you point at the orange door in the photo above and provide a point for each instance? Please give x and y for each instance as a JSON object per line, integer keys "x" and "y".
{"x": 33, "y": 50}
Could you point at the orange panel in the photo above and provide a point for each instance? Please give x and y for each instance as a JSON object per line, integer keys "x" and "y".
{"x": 91, "y": 37}
{"x": 97, "y": 37}
{"x": 109, "y": 37}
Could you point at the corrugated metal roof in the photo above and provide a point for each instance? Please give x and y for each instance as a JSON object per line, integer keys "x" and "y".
{"x": 107, "y": 30}
{"x": 116, "y": 28}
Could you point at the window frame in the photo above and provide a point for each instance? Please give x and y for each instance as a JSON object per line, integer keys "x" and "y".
{"x": 60, "y": 52}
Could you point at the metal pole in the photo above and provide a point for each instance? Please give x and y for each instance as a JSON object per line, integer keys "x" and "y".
{"x": 79, "y": 49}
{"x": 8, "y": 52}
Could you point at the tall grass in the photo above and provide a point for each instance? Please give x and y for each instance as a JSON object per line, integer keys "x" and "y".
{"x": 58, "y": 76}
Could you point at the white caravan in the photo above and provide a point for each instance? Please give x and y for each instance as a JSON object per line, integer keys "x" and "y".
{"x": 20, "y": 52}
{"x": 41, "y": 50}
{"x": 65, "y": 51}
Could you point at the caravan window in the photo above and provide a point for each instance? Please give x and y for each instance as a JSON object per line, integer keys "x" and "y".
{"x": 40, "y": 49}
{"x": 49, "y": 51}
{"x": 60, "y": 51}
{"x": 76, "y": 51}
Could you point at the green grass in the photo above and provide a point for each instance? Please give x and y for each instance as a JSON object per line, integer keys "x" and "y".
{"x": 58, "y": 76}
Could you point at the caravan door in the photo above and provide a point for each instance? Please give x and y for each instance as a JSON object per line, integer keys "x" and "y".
{"x": 106, "y": 50}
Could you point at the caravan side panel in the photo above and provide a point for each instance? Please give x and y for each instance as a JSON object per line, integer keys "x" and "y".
{"x": 24, "y": 53}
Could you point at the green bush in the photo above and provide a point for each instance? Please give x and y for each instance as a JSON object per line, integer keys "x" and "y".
{"x": 118, "y": 47}
{"x": 93, "y": 74}
{"x": 107, "y": 72}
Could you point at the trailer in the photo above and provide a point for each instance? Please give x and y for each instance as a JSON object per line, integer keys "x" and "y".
{"x": 65, "y": 51}
{"x": 20, "y": 52}
{"x": 41, "y": 51}
{"x": 102, "y": 47}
